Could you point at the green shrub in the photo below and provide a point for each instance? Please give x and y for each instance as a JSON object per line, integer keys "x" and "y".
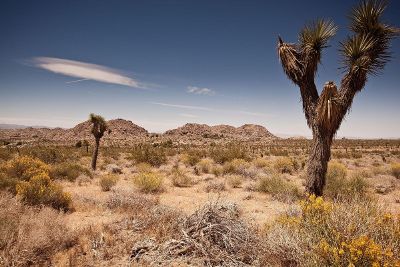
{"x": 149, "y": 182}
{"x": 68, "y": 171}
{"x": 278, "y": 188}
{"x": 40, "y": 190}
{"x": 108, "y": 181}
{"x": 395, "y": 167}
{"x": 180, "y": 178}
{"x": 155, "y": 156}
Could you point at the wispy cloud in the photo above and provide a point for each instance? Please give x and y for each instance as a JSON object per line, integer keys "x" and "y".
{"x": 182, "y": 106}
{"x": 188, "y": 115}
{"x": 85, "y": 71}
{"x": 200, "y": 91}
{"x": 243, "y": 112}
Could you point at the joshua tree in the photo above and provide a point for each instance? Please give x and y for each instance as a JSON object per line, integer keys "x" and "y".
{"x": 363, "y": 53}
{"x": 99, "y": 126}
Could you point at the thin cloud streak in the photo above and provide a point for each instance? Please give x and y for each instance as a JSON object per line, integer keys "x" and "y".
{"x": 85, "y": 71}
{"x": 200, "y": 91}
{"x": 77, "y": 81}
{"x": 243, "y": 112}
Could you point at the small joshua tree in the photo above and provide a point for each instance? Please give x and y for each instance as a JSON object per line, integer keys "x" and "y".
{"x": 99, "y": 126}
{"x": 363, "y": 53}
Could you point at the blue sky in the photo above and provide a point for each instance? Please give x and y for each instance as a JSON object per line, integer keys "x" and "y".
{"x": 164, "y": 63}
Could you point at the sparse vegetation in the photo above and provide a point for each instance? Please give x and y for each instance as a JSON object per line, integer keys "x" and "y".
{"x": 155, "y": 156}
{"x": 396, "y": 170}
{"x": 149, "y": 182}
{"x": 278, "y": 188}
{"x": 68, "y": 171}
{"x": 108, "y": 181}
{"x": 180, "y": 178}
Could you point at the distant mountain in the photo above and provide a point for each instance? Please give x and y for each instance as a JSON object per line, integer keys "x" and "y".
{"x": 17, "y": 126}
{"x": 126, "y": 132}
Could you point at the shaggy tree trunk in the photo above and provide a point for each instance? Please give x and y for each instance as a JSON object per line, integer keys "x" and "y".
{"x": 318, "y": 161}
{"x": 95, "y": 153}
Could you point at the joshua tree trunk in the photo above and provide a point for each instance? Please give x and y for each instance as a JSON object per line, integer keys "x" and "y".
{"x": 95, "y": 153}
{"x": 320, "y": 153}
{"x": 363, "y": 53}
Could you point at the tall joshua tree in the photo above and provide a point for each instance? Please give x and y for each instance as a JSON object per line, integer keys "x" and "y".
{"x": 364, "y": 53}
{"x": 99, "y": 126}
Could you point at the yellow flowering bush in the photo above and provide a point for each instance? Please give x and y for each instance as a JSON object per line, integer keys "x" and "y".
{"x": 356, "y": 233}
{"x": 41, "y": 190}
{"x": 149, "y": 182}
{"x": 24, "y": 168}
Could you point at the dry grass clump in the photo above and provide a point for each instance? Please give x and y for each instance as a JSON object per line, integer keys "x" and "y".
{"x": 41, "y": 190}
{"x": 191, "y": 157}
{"x": 205, "y": 165}
{"x": 235, "y": 181}
{"x": 236, "y": 166}
{"x": 212, "y": 236}
{"x": 143, "y": 167}
{"x": 261, "y": 162}
{"x": 349, "y": 233}
{"x": 278, "y": 188}
{"x": 132, "y": 203}
{"x": 108, "y": 181}
{"x": 395, "y": 168}
{"x": 149, "y": 182}
{"x": 31, "y": 236}
{"x": 215, "y": 187}
{"x": 285, "y": 165}
{"x": 68, "y": 171}
{"x": 339, "y": 186}
{"x": 180, "y": 178}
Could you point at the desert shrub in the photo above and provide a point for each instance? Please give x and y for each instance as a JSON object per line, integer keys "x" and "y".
{"x": 215, "y": 187}
{"x": 278, "y": 188}
{"x": 235, "y": 181}
{"x": 24, "y": 168}
{"x": 108, "y": 181}
{"x": 285, "y": 165}
{"x": 49, "y": 155}
{"x": 31, "y": 236}
{"x": 395, "y": 168}
{"x": 5, "y": 154}
{"x": 149, "y": 182}
{"x": 191, "y": 157}
{"x": 180, "y": 178}
{"x": 339, "y": 186}
{"x": 217, "y": 170}
{"x": 224, "y": 154}
{"x": 236, "y": 166}
{"x": 68, "y": 171}
{"x": 205, "y": 165}
{"x": 213, "y": 235}
{"x": 350, "y": 233}
{"x": 144, "y": 167}
{"x": 41, "y": 190}
{"x": 155, "y": 156}
{"x": 261, "y": 162}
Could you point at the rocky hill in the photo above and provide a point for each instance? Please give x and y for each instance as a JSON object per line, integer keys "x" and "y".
{"x": 194, "y": 131}
{"x": 124, "y": 132}
{"x": 121, "y": 131}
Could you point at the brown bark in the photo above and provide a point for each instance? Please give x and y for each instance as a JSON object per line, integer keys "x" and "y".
{"x": 95, "y": 153}
{"x": 320, "y": 153}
